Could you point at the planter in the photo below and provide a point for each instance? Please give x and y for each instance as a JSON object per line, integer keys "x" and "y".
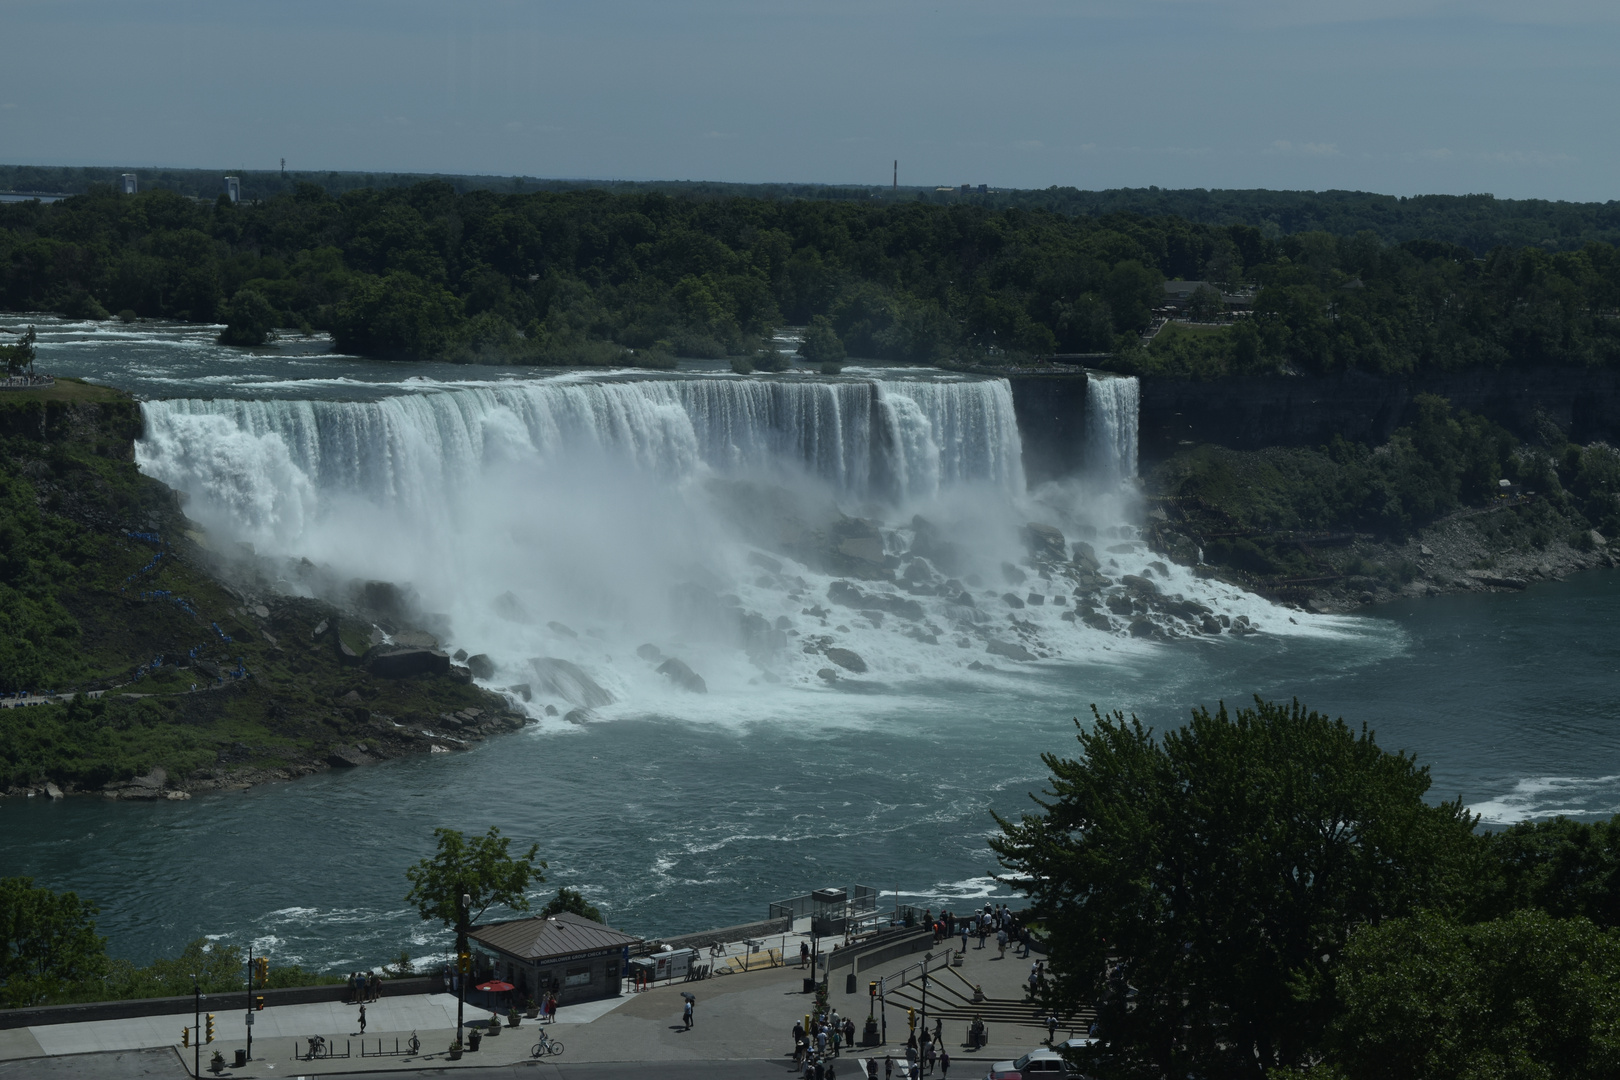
{"x": 494, "y": 1029}
{"x": 514, "y": 1020}
{"x": 474, "y": 1037}
{"x": 533, "y": 1013}
{"x": 455, "y": 1053}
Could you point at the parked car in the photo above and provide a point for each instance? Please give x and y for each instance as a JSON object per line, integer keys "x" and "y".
{"x": 1035, "y": 1065}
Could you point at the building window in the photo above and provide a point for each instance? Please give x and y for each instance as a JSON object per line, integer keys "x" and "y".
{"x": 577, "y": 976}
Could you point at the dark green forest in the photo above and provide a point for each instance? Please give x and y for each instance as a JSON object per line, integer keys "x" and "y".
{"x": 1478, "y": 222}
{"x": 579, "y": 277}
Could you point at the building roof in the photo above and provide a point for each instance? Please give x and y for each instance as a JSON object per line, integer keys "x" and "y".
{"x": 543, "y": 938}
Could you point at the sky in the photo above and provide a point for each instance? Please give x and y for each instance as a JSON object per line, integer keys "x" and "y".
{"x": 1395, "y": 96}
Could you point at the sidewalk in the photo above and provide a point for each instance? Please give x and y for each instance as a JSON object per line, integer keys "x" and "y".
{"x": 743, "y": 1016}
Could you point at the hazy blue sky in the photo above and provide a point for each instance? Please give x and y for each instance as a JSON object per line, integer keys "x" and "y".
{"x": 1401, "y": 96}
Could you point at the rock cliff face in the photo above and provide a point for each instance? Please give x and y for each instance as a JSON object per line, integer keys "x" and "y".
{"x": 1252, "y": 412}
{"x": 1247, "y": 413}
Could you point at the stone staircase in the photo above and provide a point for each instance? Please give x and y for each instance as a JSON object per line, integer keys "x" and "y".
{"x": 950, "y": 998}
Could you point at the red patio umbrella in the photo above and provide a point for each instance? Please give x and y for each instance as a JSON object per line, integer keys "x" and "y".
{"x": 494, "y": 986}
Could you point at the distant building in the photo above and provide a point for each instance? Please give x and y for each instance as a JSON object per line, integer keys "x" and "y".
{"x": 580, "y": 959}
{"x": 233, "y": 188}
{"x": 967, "y": 188}
{"x": 984, "y": 189}
{"x": 126, "y": 183}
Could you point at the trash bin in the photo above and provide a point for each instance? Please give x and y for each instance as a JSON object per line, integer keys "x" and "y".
{"x": 241, "y": 1058}
{"x": 849, "y": 983}
{"x": 809, "y": 986}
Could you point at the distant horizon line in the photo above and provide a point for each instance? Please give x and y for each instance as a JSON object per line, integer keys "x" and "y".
{"x": 588, "y": 180}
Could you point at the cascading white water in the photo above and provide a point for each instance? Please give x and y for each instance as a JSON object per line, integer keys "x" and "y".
{"x": 268, "y": 464}
{"x": 703, "y": 514}
{"x": 1112, "y": 403}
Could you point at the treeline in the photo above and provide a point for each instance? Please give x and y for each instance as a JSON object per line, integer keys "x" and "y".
{"x": 1478, "y": 222}
{"x": 1268, "y": 894}
{"x": 580, "y": 277}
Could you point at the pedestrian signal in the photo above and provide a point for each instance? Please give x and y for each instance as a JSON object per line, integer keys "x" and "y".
{"x": 185, "y": 1036}
{"x": 258, "y": 1003}
{"x": 210, "y": 1027}
{"x": 871, "y": 989}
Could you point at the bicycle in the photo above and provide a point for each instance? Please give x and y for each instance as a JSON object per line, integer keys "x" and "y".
{"x": 317, "y": 1047}
{"x": 413, "y": 1044}
{"x": 546, "y": 1045}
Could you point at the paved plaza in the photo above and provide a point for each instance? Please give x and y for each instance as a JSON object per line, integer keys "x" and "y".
{"x": 744, "y": 1019}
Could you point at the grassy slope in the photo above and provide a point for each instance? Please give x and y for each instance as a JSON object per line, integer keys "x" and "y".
{"x": 77, "y": 612}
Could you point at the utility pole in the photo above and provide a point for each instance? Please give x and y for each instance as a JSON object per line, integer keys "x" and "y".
{"x": 284, "y": 170}
{"x": 897, "y": 174}
{"x": 463, "y": 961}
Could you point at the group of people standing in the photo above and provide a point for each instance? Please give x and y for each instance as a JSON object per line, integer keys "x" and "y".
{"x": 997, "y": 921}
{"x": 364, "y": 986}
{"x": 815, "y": 1047}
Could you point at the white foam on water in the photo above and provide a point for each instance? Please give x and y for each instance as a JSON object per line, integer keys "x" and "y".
{"x": 1550, "y": 796}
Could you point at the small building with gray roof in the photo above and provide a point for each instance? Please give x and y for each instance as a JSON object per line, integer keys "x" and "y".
{"x": 566, "y": 954}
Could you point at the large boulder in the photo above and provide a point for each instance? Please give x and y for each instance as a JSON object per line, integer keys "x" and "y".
{"x": 347, "y": 757}
{"x": 847, "y": 659}
{"x": 569, "y": 682}
{"x": 678, "y": 673}
{"x": 1045, "y": 543}
{"x": 482, "y": 666}
{"x": 1010, "y": 650}
{"x": 401, "y": 661}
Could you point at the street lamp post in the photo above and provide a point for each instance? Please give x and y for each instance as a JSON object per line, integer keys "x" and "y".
{"x": 196, "y": 1040}
{"x": 464, "y": 965}
{"x": 927, "y": 957}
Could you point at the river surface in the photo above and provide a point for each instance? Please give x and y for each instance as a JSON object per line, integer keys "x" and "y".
{"x": 675, "y": 812}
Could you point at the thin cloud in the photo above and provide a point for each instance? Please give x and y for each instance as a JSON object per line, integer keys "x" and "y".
{"x": 1288, "y": 148}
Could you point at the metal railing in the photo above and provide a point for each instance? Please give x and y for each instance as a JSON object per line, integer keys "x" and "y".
{"x": 327, "y": 1049}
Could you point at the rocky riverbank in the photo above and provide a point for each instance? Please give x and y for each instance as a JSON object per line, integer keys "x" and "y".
{"x": 175, "y": 667}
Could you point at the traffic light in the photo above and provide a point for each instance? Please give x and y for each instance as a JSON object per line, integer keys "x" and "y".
{"x": 210, "y": 1027}
{"x": 261, "y": 968}
{"x": 871, "y": 988}
{"x": 185, "y": 1036}
{"x": 911, "y": 1019}
{"x": 464, "y": 962}
{"x": 258, "y": 1003}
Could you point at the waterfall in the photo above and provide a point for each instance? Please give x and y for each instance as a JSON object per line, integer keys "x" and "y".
{"x": 1111, "y": 416}
{"x": 267, "y": 465}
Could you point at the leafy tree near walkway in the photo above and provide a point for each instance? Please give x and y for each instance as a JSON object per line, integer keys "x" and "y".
{"x": 1524, "y": 998}
{"x": 482, "y": 869}
{"x": 49, "y": 949}
{"x": 1225, "y": 865}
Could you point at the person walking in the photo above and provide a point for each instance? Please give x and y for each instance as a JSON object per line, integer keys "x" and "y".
{"x": 963, "y": 927}
{"x": 1051, "y": 1029}
{"x": 804, "y": 954}
{"x": 362, "y": 1018}
{"x": 888, "y": 1067}
{"x": 984, "y": 931}
{"x": 944, "y": 1065}
{"x": 687, "y": 1012}
{"x": 1001, "y": 943}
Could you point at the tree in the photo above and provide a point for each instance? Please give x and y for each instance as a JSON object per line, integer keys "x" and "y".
{"x": 481, "y": 869}
{"x": 821, "y": 344}
{"x": 249, "y": 319}
{"x": 1224, "y": 866}
{"x": 1527, "y": 997}
{"x": 49, "y": 949}
{"x": 19, "y": 358}
{"x": 573, "y": 901}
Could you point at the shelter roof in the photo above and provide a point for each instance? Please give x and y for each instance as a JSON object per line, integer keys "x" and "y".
{"x": 539, "y": 938}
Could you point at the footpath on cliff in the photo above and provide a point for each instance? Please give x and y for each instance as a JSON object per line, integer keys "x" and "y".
{"x": 745, "y": 1017}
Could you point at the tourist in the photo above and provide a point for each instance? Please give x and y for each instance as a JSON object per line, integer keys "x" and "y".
{"x": 849, "y": 1032}
{"x": 888, "y": 1067}
{"x": 984, "y": 930}
{"x": 362, "y": 1018}
{"x": 1051, "y": 1030}
{"x": 944, "y": 1064}
{"x": 963, "y": 928}
{"x": 821, "y": 1041}
{"x": 1001, "y": 943}
{"x": 804, "y": 954}
{"x": 687, "y": 1011}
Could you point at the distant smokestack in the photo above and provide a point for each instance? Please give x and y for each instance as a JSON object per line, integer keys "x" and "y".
{"x": 896, "y": 174}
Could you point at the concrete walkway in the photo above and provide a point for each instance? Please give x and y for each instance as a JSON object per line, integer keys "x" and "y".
{"x": 738, "y": 1017}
